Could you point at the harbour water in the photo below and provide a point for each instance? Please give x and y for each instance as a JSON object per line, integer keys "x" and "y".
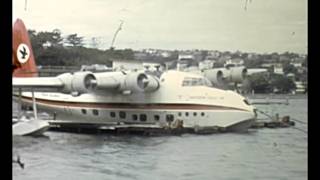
{"x": 280, "y": 154}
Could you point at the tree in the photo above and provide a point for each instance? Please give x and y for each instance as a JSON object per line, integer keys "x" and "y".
{"x": 204, "y": 54}
{"x": 282, "y": 83}
{"x": 289, "y": 68}
{"x": 56, "y": 38}
{"x": 50, "y": 38}
{"x": 259, "y": 83}
{"x": 305, "y": 61}
{"x": 74, "y": 40}
{"x": 252, "y": 63}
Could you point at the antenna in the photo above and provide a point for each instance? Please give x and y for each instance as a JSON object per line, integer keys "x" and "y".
{"x": 246, "y": 4}
{"x": 25, "y": 5}
{"x": 116, "y": 33}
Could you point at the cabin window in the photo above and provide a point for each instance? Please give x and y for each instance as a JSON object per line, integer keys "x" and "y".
{"x": 187, "y": 114}
{"x": 169, "y": 117}
{"x": 113, "y": 114}
{"x": 194, "y": 114}
{"x": 179, "y": 114}
{"x": 134, "y": 117}
{"x": 95, "y": 112}
{"x": 122, "y": 115}
{"x": 156, "y": 117}
{"x": 143, "y": 117}
{"x": 202, "y": 114}
{"x": 84, "y": 111}
{"x": 194, "y": 81}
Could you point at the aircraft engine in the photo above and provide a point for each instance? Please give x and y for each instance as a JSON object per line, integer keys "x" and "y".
{"x": 139, "y": 82}
{"x": 223, "y": 75}
{"x": 120, "y": 81}
{"x": 237, "y": 74}
{"x": 78, "y": 82}
{"x": 214, "y": 75}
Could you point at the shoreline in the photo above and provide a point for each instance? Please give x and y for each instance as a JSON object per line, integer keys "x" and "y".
{"x": 276, "y": 96}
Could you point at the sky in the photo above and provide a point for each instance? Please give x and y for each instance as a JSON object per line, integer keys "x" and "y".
{"x": 265, "y": 26}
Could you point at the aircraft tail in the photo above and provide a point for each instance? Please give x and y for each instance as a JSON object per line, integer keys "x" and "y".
{"x": 23, "y": 63}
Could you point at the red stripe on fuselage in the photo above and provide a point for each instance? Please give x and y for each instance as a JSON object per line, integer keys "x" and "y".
{"x": 131, "y": 105}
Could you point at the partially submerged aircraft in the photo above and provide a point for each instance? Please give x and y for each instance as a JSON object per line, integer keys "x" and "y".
{"x": 126, "y": 99}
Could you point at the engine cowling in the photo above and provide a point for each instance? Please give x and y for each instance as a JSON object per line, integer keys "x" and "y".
{"x": 223, "y": 75}
{"x": 134, "y": 82}
{"x": 152, "y": 85}
{"x": 216, "y": 76}
{"x": 77, "y": 83}
{"x": 139, "y": 82}
{"x": 237, "y": 74}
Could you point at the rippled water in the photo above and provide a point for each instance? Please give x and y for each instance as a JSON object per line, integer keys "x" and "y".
{"x": 259, "y": 154}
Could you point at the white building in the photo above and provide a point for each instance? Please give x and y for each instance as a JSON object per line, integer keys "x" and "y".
{"x": 300, "y": 87}
{"x": 297, "y": 64}
{"x": 278, "y": 69}
{"x": 127, "y": 65}
{"x": 234, "y": 62}
{"x": 153, "y": 66}
{"x": 184, "y": 60}
{"x": 206, "y": 64}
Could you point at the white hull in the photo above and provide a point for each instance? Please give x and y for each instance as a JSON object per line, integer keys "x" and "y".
{"x": 192, "y": 117}
{"x": 176, "y": 99}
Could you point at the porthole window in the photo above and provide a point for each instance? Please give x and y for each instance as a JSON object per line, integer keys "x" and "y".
{"x": 169, "y": 118}
{"x": 156, "y": 117}
{"x": 187, "y": 114}
{"x": 134, "y": 117}
{"x": 179, "y": 114}
{"x": 95, "y": 112}
{"x": 143, "y": 117}
{"x": 202, "y": 114}
{"x": 84, "y": 111}
{"x": 113, "y": 114}
{"x": 194, "y": 114}
{"x": 122, "y": 114}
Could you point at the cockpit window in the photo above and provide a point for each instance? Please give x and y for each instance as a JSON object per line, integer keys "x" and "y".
{"x": 192, "y": 81}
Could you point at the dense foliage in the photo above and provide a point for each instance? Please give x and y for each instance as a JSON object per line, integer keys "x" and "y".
{"x": 50, "y": 48}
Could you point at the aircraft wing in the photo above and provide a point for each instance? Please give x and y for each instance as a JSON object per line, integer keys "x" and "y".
{"x": 37, "y": 83}
{"x": 25, "y": 74}
{"x": 257, "y": 71}
{"x": 85, "y": 82}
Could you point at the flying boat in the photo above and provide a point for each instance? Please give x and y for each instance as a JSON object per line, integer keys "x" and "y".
{"x": 129, "y": 99}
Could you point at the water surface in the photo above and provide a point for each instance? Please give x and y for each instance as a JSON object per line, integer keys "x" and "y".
{"x": 259, "y": 154}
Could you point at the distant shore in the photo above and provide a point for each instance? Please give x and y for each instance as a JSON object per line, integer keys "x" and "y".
{"x": 276, "y": 96}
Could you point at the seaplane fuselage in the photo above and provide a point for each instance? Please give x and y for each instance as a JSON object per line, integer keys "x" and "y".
{"x": 179, "y": 96}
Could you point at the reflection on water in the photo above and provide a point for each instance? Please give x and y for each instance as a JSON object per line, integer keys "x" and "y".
{"x": 260, "y": 154}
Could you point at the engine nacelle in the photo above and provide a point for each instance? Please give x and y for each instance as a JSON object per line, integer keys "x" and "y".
{"x": 139, "y": 82}
{"x": 110, "y": 80}
{"x": 78, "y": 82}
{"x": 237, "y": 74}
{"x": 216, "y": 76}
{"x": 133, "y": 82}
{"x": 153, "y": 84}
{"x": 223, "y": 75}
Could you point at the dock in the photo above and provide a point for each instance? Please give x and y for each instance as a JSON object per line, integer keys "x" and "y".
{"x": 268, "y": 101}
{"x": 284, "y": 122}
{"x": 176, "y": 128}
